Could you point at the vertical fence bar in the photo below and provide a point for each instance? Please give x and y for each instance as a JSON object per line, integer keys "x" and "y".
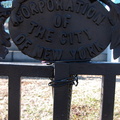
{"x": 108, "y": 95}
{"x": 14, "y": 98}
{"x": 62, "y": 95}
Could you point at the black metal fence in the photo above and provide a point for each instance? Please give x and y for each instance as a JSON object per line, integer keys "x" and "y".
{"x": 60, "y": 71}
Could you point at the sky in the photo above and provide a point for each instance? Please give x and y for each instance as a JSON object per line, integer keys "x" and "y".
{"x": 117, "y": 1}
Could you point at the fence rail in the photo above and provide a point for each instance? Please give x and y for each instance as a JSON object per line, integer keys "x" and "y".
{"x": 14, "y": 73}
{"x": 61, "y": 94}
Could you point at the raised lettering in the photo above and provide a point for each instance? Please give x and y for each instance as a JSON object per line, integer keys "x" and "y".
{"x": 25, "y": 11}
{"x": 61, "y": 20}
{"x": 50, "y": 5}
{"x": 59, "y": 4}
{"x": 40, "y": 32}
{"x": 25, "y": 44}
{"x": 98, "y": 47}
{"x": 87, "y": 34}
{"x": 33, "y": 25}
{"x": 98, "y": 18}
{"x": 41, "y": 5}
{"x": 38, "y": 52}
{"x": 20, "y": 39}
{"x": 71, "y": 38}
{"x": 91, "y": 51}
{"x": 91, "y": 12}
{"x": 73, "y": 53}
{"x": 47, "y": 54}
{"x": 66, "y": 20}
{"x": 48, "y": 35}
{"x": 79, "y": 3}
{"x": 82, "y": 53}
{"x": 57, "y": 54}
{"x": 64, "y": 38}
{"x": 58, "y": 21}
{"x": 84, "y": 8}
{"x": 33, "y": 8}
{"x": 22, "y": 42}
{"x": 69, "y": 6}
{"x": 78, "y": 35}
{"x": 19, "y": 17}
{"x": 60, "y": 27}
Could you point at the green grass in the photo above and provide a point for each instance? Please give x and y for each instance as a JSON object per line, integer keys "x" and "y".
{"x": 37, "y": 101}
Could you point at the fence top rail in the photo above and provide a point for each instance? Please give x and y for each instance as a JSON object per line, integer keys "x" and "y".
{"x": 23, "y": 69}
{"x": 39, "y": 70}
{"x": 95, "y": 68}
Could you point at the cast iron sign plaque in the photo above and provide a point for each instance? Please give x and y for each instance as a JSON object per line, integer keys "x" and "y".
{"x": 60, "y": 30}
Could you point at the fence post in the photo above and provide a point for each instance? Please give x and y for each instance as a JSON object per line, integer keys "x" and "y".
{"x": 62, "y": 94}
{"x": 108, "y": 94}
{"x": 14, "y": 98}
